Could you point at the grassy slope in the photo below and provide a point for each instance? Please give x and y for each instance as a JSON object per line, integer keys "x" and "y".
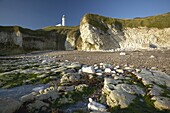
{"x": 159, "y": 21}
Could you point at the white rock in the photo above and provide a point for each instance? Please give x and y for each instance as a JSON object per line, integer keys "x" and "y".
{"x": 122, "y": 53}
{"x": 99, "y": 74}
{"x": 90, "y": 76}
{"x": 94, "y": 106}
{"x": 107, "y": 70}
{"x": 162, "y": 103}
{"x": 89, "y": 69}
{"x": 45, "y": 62}
{"x": 138, "y": 70}
{"x": 152, "y": 76}
{"x": 120, "y": 98}
{"x": 152, "y": 56}
{"x": 114, "y": 72}
{"x": 119, "y": 70}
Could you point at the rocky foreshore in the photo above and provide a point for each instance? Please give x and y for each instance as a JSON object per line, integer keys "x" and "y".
{"x": 44, "y": 84}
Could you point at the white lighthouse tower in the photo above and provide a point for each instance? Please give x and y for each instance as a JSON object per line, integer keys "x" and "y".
{"x": 63, "y": 20}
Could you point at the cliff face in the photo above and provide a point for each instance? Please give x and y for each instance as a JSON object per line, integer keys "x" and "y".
{"x": 94, "y": 33}
{"x": 101, "y": 33}
{"x": 15, "y": 40}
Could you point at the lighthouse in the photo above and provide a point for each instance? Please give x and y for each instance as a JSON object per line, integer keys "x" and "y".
{"x": 63, "y": 20}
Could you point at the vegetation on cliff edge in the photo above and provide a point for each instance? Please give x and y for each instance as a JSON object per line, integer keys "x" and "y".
{"x": 159, "y": 21}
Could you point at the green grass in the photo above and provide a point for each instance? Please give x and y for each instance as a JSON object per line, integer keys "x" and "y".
{"x": 159, "y": 21}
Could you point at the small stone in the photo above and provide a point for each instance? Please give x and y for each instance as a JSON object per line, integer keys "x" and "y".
{"x": 138, "y": 70}
{"x": 114, "y": 72}
{"x": 90, "y": 76}
{"x": 122, "y": 53}
{"x": 119, "y": 70}
{"x": 107, "y": 70}
{"x": 99, "y": 71}
{"x": 65, "y": 88}
{"x": 128, "y": 68}
{"x": 44, "y": 62}
{"x": 94, "y": 106}
{"x": 53, "y": 77}
{"x": 152, "y": 56}
{"x": 153, "y": 68}
{"x": 89, "y": 69}
{"x": 99, "y": 74}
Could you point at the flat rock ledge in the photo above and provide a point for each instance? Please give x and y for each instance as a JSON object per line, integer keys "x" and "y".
{"x": 71, "y": 83}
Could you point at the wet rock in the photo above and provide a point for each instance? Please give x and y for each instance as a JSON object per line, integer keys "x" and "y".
{"x": 36, "y": 89}
{"x": 27, "y": 98}
{"x": 94, "y": 106}
{"x": 51, "y": 94}
{"x": 9, "y": 105}
{"x": 37, "y": 105}
{"x": 127, "y": 68}
{"x": 89, "y": 69}
{"x": 65, "y": 88}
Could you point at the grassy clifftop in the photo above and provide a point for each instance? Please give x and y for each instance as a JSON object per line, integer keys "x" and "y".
{"x": 158, "y": 21}
{"x": 40, "y": 32}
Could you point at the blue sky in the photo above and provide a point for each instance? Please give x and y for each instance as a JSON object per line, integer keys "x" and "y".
{"x": 35, "y": 14}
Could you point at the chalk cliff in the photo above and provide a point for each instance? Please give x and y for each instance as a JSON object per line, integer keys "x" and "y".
{"x": 102, "y": 33}
{"x": 15, "y": 39}
{"x": 94, "y": 33}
